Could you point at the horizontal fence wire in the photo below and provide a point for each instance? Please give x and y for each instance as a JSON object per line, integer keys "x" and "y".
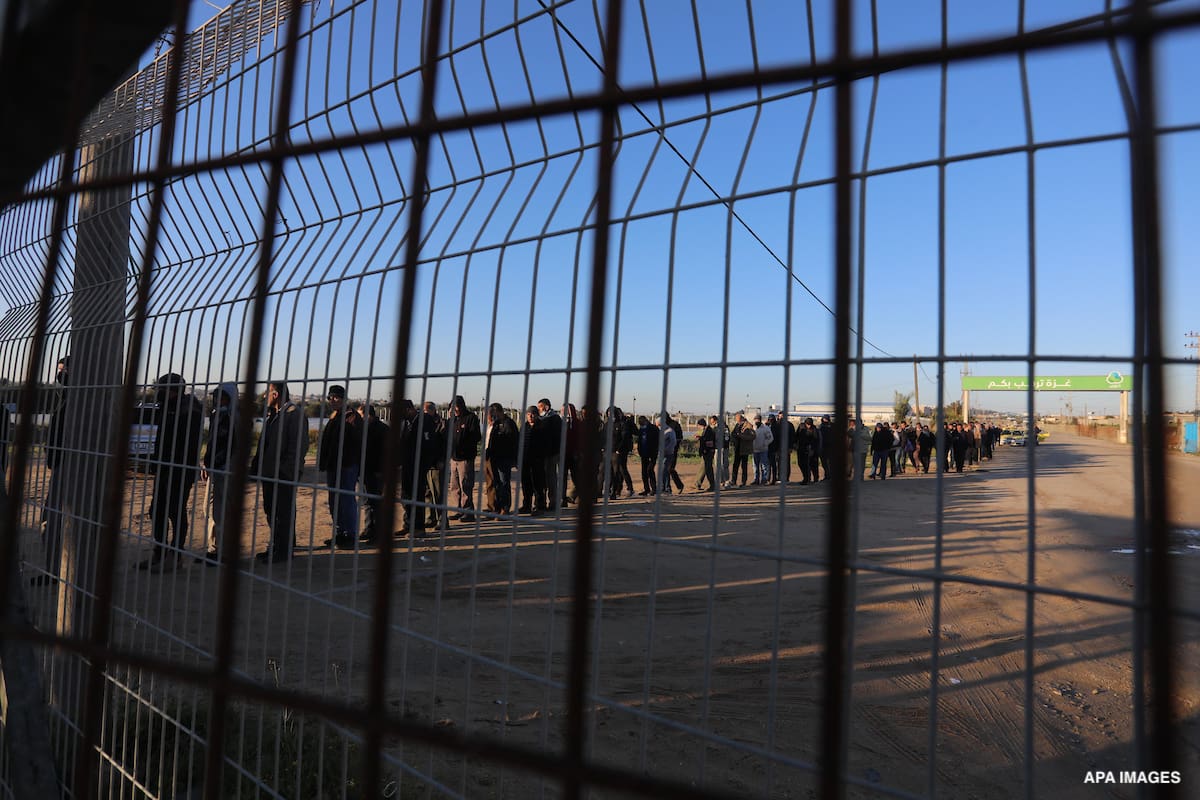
{"x": 364, "y": 363}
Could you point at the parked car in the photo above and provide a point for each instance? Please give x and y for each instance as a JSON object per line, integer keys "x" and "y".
{"x": 1017, "y": 439}
{"x": 143, "y": 433}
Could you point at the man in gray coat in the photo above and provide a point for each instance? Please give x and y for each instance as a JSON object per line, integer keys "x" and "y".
{"x": 277, "y": 464}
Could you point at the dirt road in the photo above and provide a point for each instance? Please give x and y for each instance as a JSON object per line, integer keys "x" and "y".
{"x": 708, "y": 631}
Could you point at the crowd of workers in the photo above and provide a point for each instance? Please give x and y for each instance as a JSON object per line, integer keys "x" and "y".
{"x": 436, "y": 456}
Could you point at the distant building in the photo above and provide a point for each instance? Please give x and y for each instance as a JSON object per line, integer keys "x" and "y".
{"x": 871, "y": 412}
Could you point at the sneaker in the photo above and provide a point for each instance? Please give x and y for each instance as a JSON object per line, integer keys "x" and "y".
{"x": 467, "y": 518}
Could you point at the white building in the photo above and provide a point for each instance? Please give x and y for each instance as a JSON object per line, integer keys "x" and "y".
{"x": 871, "y": 412}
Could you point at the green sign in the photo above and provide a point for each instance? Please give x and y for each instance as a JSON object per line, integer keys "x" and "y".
{"x": 1112, "y": 382}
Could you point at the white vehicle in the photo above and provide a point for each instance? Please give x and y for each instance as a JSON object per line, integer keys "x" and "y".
{"x": 1017, "y": 439}
{"x": 143, "y": 433}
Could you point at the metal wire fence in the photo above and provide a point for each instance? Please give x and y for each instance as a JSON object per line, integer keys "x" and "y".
{"x": 373, "y": 204}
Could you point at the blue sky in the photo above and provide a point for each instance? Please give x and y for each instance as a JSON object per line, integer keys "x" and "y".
{"x": 506, "y": 260}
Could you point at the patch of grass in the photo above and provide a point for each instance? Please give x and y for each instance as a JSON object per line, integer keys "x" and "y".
{"x": 269, "y": 752}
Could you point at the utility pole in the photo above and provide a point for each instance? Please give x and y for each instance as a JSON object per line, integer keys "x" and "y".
{"x": 1194, "y": 344}
{"x": 966, "y": 395}
{"x": 916, "y": 391}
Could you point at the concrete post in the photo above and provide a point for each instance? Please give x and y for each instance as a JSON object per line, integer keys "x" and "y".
{"x": 1123, "y": 430}
{"x": 95, "y": 377}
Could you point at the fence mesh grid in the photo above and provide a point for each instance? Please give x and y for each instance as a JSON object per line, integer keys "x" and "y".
{"x": 652, "y": 205}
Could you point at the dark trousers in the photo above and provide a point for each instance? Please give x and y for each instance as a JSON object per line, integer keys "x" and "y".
{"x": 620, "y": 474}
{"x": 672, "y": 473}
{"x": 773, "y": 463}
{"x": 414, "y": 516}
{"x": 570, "y": 467}
{"x": 824, "y": 458}
{"x": 804, "y": 462}
{"x": 649, "y": 483}
{"x": 879, "y": 464}
{"x": 343, "y": 505}
{"x": 279, "y": 503}
{"x": 53, "y": 522}
{"x": 550, "y": 481}
{"x": 372, "y": 483}
{"x": 706, "y": 474}
{"x": 533, "y": 484}
{"x": 169, "y": 507}
{"x": 741, "y": 461}
{"x": 501, "y": 486}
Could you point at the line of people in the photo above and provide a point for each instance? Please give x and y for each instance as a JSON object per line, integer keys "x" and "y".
{"x": 554, "y": 444}
{"x": 892, "y": 449}
{"x": 436, "y": 460}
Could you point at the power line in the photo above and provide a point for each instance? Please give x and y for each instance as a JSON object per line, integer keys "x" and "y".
{"x": 692, "y": 168}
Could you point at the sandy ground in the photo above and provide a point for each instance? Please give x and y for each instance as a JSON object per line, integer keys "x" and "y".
{"x": 708, "y": 631}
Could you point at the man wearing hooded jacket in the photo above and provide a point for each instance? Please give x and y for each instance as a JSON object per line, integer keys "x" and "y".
{"x": 175, "y": 463}
{"x": 339, "y": 454}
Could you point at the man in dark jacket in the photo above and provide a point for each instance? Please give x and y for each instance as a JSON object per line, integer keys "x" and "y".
{"x": 533, "y": 471}
{"x": 706, "y": 444}
{"x": 375, "y": 433}
{"x": 881, "y": 444}
{"x": 215, "y": 465}
{"x": 960, "y": 444}
{"x": 550, "y": 435}
{"x": 624, "y": 437}
{"x": 773, "y": 471}
{"x": 176, "y": 465}
{"x": 433, "y": 459}
{"x": 743, "y": 447}
{"x": 465, "y": 436}
{"x": 826, "y": 431}
{"x": 807, "y": 444}
{"x": 277, "y": 464}
{"x": 648, "y": 451}
{"x": 410, "y": 474}
{"x": 925, "y": 444}
{"x": 339, "y": 454}
{"x": 501, "y": 455}
{"x": 671, "y": 472}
